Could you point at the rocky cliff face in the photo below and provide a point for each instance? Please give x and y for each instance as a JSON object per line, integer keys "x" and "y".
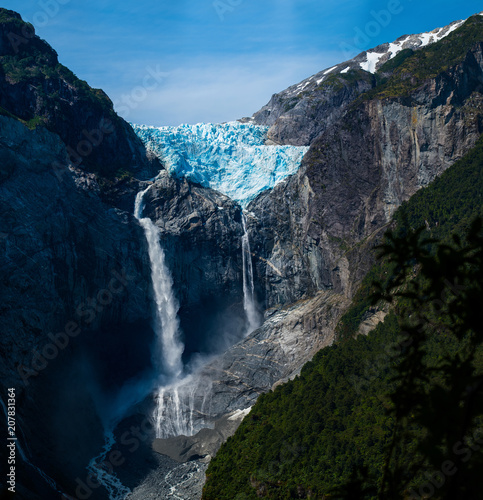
{"x": 299, "y": 114}
{"x": 73, "y": 271}
{"x": 201, "y": 235}
{"x": 270, "y": 355}
{"x": 76, "y": 294}
{"x": 310, "y": 233}
{"x": 35, "y": 88}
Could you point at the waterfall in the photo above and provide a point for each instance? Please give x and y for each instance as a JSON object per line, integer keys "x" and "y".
{"x": 169, "y": 349}
{"x": 181, "y": 408}
{"x": 249, "y": 303}
{"x": 181, "y": 403}
{"x": 167, "y": 353}
{"x": 174, "y": 401}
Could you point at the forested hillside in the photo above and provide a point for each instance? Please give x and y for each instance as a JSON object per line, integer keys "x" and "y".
{"x": 313, "y": 436}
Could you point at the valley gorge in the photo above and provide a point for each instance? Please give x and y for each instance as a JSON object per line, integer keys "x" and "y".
{"x": 148, "y": 300}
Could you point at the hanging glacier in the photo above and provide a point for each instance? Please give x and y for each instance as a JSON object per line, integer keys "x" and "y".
{"x": 231, "y": 157}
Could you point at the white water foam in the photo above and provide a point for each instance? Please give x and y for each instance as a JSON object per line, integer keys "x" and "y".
{"x": 169, "y": 348}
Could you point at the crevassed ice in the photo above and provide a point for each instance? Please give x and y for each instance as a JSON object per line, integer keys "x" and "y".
{"x": 229, "y": 157}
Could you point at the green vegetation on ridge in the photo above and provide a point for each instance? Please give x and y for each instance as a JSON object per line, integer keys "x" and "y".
{"x": 410, "y": 69}
{"x": 39, "y": 91}
{"x": 448, "y": 205}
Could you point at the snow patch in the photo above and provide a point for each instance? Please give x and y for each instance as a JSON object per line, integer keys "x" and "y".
{"x": 438, "y": 34}
{"x": 346, "y": 70}
{"x": 329, "y": 70}
{"x": 394, "y": 49}
{"x": 426, "y": 39}
{"x": 454, "y": 27}
{"x": 372, "y": 58}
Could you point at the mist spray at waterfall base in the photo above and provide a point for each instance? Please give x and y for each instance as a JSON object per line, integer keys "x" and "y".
{"x": 167, "y": 356}
{"x": 183, "y": 406}
{"x": 167, "y": 352}
{"x": 182, "y": 395}
{"x": 179, "y": 402}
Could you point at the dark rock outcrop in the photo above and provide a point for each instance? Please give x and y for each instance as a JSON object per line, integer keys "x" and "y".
{"x": 310, "y": 232}
{"x": 201, "y": 235}
{"x": 35, "y": 88}
{"x": 301, "y": 113}
{"x": 73, "y": 271}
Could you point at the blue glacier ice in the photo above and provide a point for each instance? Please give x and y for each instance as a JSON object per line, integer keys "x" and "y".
{"x": 229, "y": 157}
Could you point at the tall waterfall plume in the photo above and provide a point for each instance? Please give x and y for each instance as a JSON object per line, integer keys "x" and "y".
{"x": 177, "y": 398}
{"x": 249, "y": 302}
{"x": 169, "y": 348}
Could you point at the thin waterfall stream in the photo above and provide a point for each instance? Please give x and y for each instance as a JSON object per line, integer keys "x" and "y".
{"x": 249, "y": 302}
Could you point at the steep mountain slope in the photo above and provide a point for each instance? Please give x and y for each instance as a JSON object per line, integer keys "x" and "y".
{"x": 311, "y": 232}
{"x": 315, "y": 231}
{"x": 75, "y": 260}
{"x": 38, "y": 90}
{"x": 77, "y": 304}
{"x": 70, "y": 266}
{"x": 304, "y": 439}
{"x": 303, "y": 111}
{"x": 423, "y": 114}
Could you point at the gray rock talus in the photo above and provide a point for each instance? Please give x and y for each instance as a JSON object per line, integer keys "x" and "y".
{"x": 270, "y": 355}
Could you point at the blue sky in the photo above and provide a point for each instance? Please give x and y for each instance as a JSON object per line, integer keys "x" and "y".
{"x": 188, "y": 61}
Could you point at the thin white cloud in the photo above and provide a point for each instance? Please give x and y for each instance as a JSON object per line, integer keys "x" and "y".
{"x": 218, "y": 90}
